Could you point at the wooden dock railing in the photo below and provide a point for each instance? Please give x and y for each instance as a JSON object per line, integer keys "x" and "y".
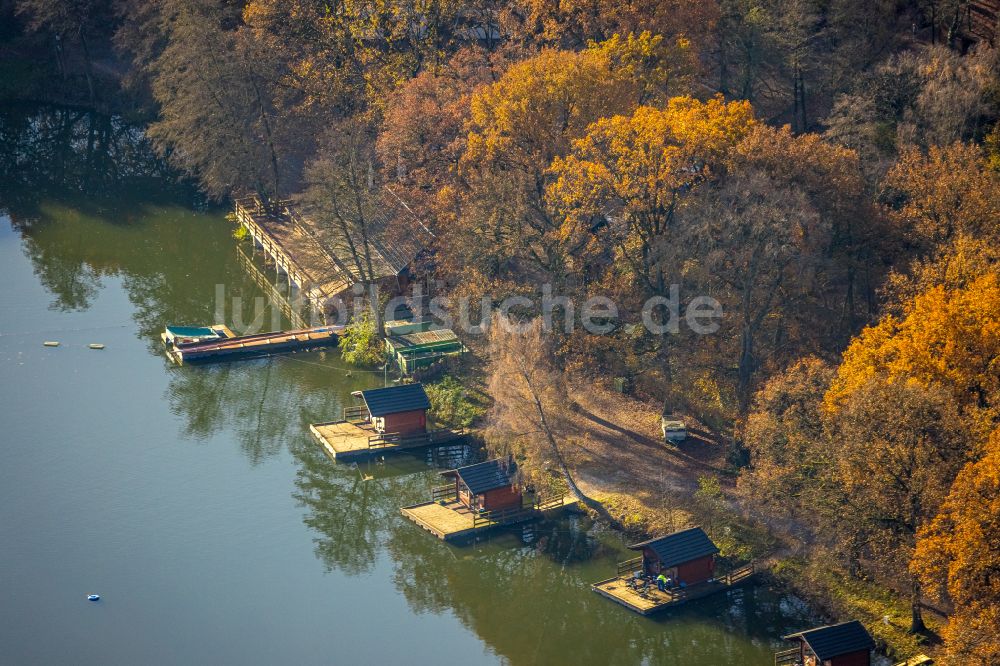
{"x": 428, "y": 438}
{"x": 446, "y": 492}
{"x": 628, "y": 566}
{"x": 546, "y": 503}
{"x": 499, "y": 516}
{"x": 246, "y": 211}
{"x": 356, "y": 414}
{"x": 740, "y": 574}
{"x": 787, "y": 657}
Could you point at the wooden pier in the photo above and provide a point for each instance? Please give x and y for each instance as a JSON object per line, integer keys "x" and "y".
{"x": 320, "y": 263}
{"x": 650, "y": 599}
{"x": 288, "y": 302}
{"x": 294, "y": 250}
{"x": 349, "y": 440}
{"x": 250, "y": 346}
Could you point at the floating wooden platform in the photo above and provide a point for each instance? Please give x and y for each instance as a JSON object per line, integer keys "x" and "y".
{"x": 357, "y": 440}
{"x": 249, "y": 346}
{"x": 342, "y": 439}
{"x": 652, "y": 600}
{"x": 453, "y": 521}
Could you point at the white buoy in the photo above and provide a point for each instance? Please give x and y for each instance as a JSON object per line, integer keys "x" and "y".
{"x": 51, "y": 343}
{"x": 96, "y": 345}
{"x": 93, "y": 597}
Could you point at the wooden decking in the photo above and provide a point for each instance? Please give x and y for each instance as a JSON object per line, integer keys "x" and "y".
{"x": 295, "y": 251}
{"x": 450, "y": 520}
{"x": 320, "y": 262}
{"x": 342, "y": 439}
{"x": 357, "y": 440}
{"x": 652, "y": 600}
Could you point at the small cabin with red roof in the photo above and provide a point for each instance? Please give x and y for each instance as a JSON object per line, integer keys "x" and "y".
{"x": 687, "y": 556}
{"x": 844, "y": 644}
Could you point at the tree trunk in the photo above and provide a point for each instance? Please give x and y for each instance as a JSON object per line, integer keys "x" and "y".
{"x": 266, "y": 125}
{"x": 804, "y": 118}
{"x": 746, "y": 368}
{"x": 589, "y": 502}
{"x": 916, "y": 615}
{"x": 88, "y": 66}
{"x": 377, "y": 317}
{"x": 60, "y": 62}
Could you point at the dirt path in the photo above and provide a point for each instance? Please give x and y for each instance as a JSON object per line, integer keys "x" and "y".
{"x": 618, "y": 447}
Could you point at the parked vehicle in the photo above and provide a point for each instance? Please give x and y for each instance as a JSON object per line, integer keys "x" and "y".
{"x": 674, "y": 431}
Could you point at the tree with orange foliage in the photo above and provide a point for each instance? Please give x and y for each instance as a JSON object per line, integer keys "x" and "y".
{"x": 959, "y": 554}
{"x": 896, "y": 446}
{"x": 422, "y": 133}
{"x": 945, "y": 203}
{"x": 947, "y": 337}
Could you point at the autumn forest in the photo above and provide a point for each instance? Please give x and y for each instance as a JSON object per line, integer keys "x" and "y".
{"x": 828, "y": 171}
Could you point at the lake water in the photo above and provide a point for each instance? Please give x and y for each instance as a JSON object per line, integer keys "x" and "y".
{"x": 193, "y": 499}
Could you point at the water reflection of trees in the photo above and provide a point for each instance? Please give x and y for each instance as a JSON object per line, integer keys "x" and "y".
{"x": 345, "y": 511}
{"x": 349, "y": 506}
{"x": 268, "y": 403}
{"x": 46, "y": 148}
{"x": 529, "y": 603}
{"x": 91, "y": 203}
{"x": 85, "y": 170}
{"x": 528, "y": 599}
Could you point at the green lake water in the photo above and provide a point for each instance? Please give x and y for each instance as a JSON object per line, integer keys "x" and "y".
{"x": 193, "y": 499}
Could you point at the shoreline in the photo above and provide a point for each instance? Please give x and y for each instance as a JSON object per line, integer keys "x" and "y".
{"x": 701, "y": 492}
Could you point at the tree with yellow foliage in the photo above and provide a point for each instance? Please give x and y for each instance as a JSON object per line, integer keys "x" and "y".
{"x": 621, "y": 186}
{"x": 946, "y": 203}
{"x": 574, "y": 23}
{"x": 634, "y": 170}
{"x": 529, "y": 117}
{"x": 959, "y": 554}
{"x": 947, "y": 337}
